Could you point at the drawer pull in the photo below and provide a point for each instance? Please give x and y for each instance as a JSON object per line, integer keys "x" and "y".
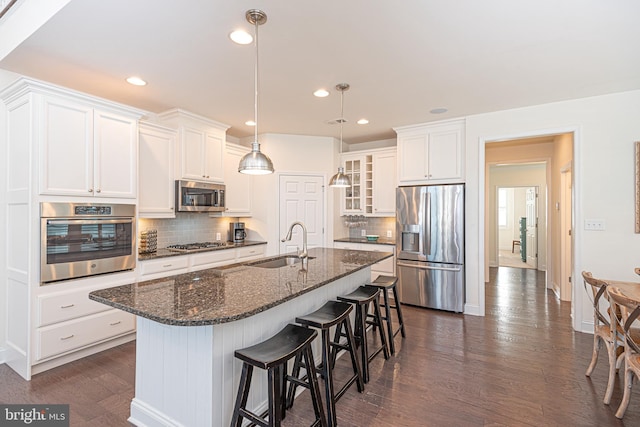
{"x": 167, "y": 265}
{"x": 67, "y": 306}
{"x": 67, "y": 337}
{"x": 115, "y": 323}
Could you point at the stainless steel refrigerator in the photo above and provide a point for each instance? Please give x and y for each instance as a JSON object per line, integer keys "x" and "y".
{"x": 430, "y": 246}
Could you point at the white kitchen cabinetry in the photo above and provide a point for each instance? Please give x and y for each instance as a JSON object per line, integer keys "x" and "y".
{"x": 238, "y": 192}
{"x": 384, "y": 183}
{"x": 60, "y": 145}
{"x": 85, "y": 150}
{"x": 373, "y": 183}
{"x": 386, "y": 267}
{"x": 431, "y": 153}
{"x": 156, "y": 178}
{"x": 170, "y": 266}
{"x": 201, "y": 144}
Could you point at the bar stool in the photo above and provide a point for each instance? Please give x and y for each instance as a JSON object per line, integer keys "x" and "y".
{"x": 332, "y": 313}
{"x": 386, "y": 283}
{"x": 362, "y": 298}
{"x": 273, "y": 355}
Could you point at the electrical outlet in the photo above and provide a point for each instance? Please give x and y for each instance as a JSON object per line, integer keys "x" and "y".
{"x": 594, "y": 224}
{"x": 217, "y": 236}
{"x": 363, "y": 233}
{"x": 389, "y": 234}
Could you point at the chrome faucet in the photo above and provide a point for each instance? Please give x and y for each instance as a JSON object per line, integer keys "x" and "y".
{"x": 304, "y": 254}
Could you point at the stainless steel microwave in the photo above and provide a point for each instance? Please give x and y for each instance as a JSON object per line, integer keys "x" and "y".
{"x": 84, "y": 239}
{"x": 195, "y": 196}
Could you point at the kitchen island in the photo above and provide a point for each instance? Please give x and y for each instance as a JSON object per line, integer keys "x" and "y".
{"x": 189, "y": 326}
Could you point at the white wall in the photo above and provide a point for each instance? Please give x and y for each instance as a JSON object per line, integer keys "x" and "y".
{"x": 605, "y": 130}
{"x": 291, "y": 154}
{"x": 5, "y": 79}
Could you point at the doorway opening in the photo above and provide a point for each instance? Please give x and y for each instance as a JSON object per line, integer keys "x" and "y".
{"x": 553, "y": 155}
{"x": 517, "y": 227}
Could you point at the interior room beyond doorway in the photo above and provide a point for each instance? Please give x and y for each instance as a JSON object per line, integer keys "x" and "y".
{"x": 512, "y": 227}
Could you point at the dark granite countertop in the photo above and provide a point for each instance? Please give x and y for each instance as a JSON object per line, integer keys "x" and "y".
{"x": 233, "y": 292}
{"x": 380, "y": 241}
{"x": 164, "y": 253}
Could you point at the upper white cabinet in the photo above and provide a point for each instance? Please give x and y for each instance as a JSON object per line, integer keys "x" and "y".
{"x": 373, "y": 183}
{"x": 84, "y": 146}
{"x": 238, "y": 192}
{"x": 201, "y": 143}
{"x": 431, "y": 153}
{"x": 156, "y": 177}
{"x": 85, "y": 150}
{"x": 384, "y": 183}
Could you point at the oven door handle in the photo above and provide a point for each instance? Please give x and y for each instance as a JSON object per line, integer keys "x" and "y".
{"x": 90, "y": 221}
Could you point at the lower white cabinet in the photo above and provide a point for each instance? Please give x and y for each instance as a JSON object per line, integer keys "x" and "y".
{"x": 170, "y": 266}
{"x": 67, "y": 336}
{"x": 386, "y": 267}
{"x": 162, "y": 267}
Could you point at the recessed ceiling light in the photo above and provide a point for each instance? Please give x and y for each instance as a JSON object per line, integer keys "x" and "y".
{"x": 250, "y": 123}
{"x": 438, "y": 110}
{"x": 321, "y": 93}
{"x": 137, "y": 81}
{"x": 363, "y": 122}
{"x": 241, "y": 37}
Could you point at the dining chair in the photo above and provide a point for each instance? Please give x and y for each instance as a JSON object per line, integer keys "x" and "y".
{"x": 629, "y": 312}
{"x": 603, "y": 333}
{"x": 638, "y": 271}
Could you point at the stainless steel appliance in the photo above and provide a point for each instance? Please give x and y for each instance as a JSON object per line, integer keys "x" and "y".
{"x": 83, "y": 239}
{"x": 430, "y": 246}
{"x": 197, "y": 247}
{"x": 237, "y": 232}
{"x": 193, "y": 196}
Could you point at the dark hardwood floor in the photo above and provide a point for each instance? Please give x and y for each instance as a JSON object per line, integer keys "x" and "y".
{"x": 521, "y": 365}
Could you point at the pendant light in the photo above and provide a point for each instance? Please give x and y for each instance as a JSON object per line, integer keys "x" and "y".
{"x": 340, "y": 180}
{"x": 255, "y": 162}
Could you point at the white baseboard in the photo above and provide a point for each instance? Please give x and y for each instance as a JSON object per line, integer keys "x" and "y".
{"x": 143, "y": 415}
{"x": 3, "y": 355}
{"x": 473, "y": 310}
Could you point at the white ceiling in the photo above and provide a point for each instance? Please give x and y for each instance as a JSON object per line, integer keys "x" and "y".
{"x": 402, "y": 58}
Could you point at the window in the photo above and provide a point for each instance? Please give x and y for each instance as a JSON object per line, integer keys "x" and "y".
{"x": 502, "y": 207}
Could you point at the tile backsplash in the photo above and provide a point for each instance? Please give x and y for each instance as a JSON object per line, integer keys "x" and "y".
{"x": 370, "y": 225}
{"x": 187, "y": 228}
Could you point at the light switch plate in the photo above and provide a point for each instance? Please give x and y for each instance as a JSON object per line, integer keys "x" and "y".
{"x": 217, "y": 236}
{"x": 594, "y": 224}
{"x": 389, "y": 234}
{"x": 363, "y": 233}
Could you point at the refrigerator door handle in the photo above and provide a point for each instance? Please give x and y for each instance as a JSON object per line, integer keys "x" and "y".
{"x": 426, "y": 267}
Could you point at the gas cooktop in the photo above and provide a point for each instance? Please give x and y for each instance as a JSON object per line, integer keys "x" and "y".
{"x": 199, "y": 246}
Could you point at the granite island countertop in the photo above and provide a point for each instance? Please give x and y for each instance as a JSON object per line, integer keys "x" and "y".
{"x": 233, "y": 292}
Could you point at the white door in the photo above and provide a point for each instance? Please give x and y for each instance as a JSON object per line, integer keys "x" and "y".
{"x": 532, "y": 227}
{"x": 302, "y": 199}
{"x": 565, "y": 238}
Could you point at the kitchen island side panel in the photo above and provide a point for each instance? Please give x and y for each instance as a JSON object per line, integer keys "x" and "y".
{"x": 188, "y": 376}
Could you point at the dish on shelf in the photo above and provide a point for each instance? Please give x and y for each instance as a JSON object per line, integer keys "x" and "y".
{"x": 372, "y": 237}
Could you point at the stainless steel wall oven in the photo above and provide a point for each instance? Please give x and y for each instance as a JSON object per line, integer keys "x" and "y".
{"x": 84, "y": 239}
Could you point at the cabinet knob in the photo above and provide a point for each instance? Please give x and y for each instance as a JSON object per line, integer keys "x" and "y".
{"x": 91, "y": 190}
{"x": 98, "y": 190}
{"x": 171, "y": 208}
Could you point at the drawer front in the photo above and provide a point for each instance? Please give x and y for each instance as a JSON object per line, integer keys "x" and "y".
{"x": 213, "y": 257}
{"x": 72, "y": 335}
{"x": 61, "y": 307}
{"x": 347, "y": 245}
{"x": 250, "y": 251}
{"x": 164, "y": 264}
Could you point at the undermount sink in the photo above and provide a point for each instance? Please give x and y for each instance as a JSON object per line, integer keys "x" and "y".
{"x": 282, "y": 261}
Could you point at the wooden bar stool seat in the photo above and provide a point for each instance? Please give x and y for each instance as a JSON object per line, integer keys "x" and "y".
{"x": 273, "y": 355}
{"x": 363, "y": 298}
{"x": 386, "y": 284}
{"x": 333, "y": 313}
